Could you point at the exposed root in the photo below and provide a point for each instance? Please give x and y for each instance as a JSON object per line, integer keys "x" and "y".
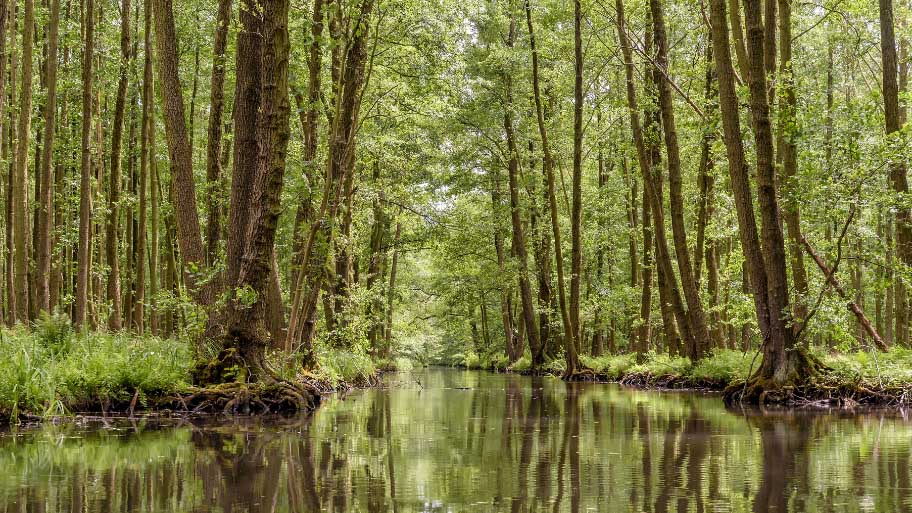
{"x": 246, "y": 399}
{"x": 583, "y": 374}
{"x": 770, "y": 386}
{"x": 231, "y": 385}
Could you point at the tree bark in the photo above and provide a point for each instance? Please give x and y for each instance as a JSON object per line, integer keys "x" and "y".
{"x": 247, "y": 329}
{"x": 179, "y": 153}
{"x": 113, "y": 226}
{"x": 548, "y": 164}
{"x": 214, "y": 173}
{"x": 20, "y": 177}
{"x": 519, "y": 238}
{"x": 788, "y": 154}
{"x": 576, "y": 212}
{"x": 45, "y": 239}
{"x": 699, "y": 336}
{"x": 737, "y": 166}
{"x": 85, "y": 193}
{"x": 898, "y": 179}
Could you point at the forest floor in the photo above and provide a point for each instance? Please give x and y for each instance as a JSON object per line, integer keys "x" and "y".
{"x": 859, "y": 378}
{"x": 52, "y": 371}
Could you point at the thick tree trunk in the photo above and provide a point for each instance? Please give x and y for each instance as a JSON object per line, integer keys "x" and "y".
{"x": 20, "y": 178}
{"x": 113, "y": 226}
{"x": 85, "y": 191}
{"x": 778, "y": 366}
{"x": 699, "y": 337}
{"x": 45, "y": 238}
{"x": 247, "y": 328}
{"x": 214, "y": 173}
{"x": 898, "y": 178}
{"x": 548, "y": 164}
{"x": 179, "y": 153}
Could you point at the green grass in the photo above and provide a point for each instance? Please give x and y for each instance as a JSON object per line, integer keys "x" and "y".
{"x": 51, "y": 369}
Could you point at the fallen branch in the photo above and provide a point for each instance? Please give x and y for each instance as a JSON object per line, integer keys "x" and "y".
{"x": 851, "y": 305}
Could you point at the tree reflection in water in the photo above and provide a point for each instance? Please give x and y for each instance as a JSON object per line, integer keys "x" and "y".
{"x": 471, "y": 441}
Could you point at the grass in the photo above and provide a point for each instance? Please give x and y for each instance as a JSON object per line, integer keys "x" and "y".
{"x": 892, "y": 369}
{"x": 52, "y": 370}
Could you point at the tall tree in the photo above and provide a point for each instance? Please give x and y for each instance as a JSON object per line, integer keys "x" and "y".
{"x": 898, "y": 179}
{"x": 247, "y": 330}
{"x": 113, "y": 227}
{"x": 46, "y": 208}
{"x": 84, "y": 254}
{"x": 519, "y": 238}
{"x": 20, "y": 177}
{"x": 576, "y": 212}
{"x": 548, "y": 165}
{"x": 182, "y": 185}
{"x": 214, "y": 141}
{"x": 699, "y": 341}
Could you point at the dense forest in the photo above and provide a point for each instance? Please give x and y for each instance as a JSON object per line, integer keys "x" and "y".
{"x": 527, "y": 184}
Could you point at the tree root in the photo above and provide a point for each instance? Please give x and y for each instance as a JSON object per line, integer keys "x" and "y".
{"x": 777, "y": 386}
{"x": 246, "y": 399}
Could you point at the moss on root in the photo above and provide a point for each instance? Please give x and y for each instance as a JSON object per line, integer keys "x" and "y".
{"x": 227, "y": 384}
{"x": 777, "y": 384}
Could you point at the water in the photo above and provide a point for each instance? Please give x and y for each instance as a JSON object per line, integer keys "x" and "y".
{"x": 448, "y": 440}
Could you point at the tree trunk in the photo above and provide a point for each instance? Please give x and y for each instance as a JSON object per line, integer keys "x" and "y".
{"x": 898, "y": 178}
{"x": 20, "y": 179}
{"x": 145, "y": 163}
{"x": 788, "y": 155}
{"x": 214, "y": 141}
{"x": 548, "y": 164}
{"x": 310, "y": 117}
{"x": 186, "y": 218}
{"x": 699, "y": 336}
{"x": 85, "y": 192}
{"x": 342, "y": 145}
{"x": 247, "y": 327}
{"x": 113, "y": 228}
{"x": 519, "y": 238}
{"x": 391, "y": 296}
{"x": 506, "y": 296}
{"x": 45, "y": 239}
{"x": 576, "y": 212}
{"x": 737, "y": 166}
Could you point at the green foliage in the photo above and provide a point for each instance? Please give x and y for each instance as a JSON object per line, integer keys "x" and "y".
{"x": 725, "y": 366}
{"x": 657, "y": 364}
{"x": 342, "y": 367}
{"x": 51, "y": 369}
{"x": 611, "y": 366}
{"x": 875, "y": 369}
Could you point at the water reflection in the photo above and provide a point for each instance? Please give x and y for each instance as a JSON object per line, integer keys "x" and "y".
{"x": 465, "y": 441}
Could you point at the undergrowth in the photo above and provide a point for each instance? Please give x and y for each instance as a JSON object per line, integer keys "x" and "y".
{"x": 51, "y": 369}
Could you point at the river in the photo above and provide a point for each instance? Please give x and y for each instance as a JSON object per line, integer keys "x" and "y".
{"x": 451, "y": 441}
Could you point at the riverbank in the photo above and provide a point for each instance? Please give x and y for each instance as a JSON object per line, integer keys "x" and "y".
{"x": 51, "y": 370}
{"x": 862, "y": 378}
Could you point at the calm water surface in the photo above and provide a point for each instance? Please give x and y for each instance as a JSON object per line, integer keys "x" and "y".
{"x": 448, "y": 440}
